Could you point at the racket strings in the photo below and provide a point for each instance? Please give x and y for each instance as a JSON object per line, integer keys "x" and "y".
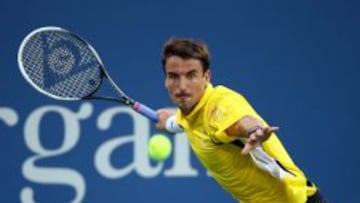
{"x": 71, "y": 87}
{"x": 61, "y": 64}
{"x": 32, "y": 58}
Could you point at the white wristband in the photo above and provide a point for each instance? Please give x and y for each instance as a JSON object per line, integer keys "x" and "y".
{"x": 172, "y": 126}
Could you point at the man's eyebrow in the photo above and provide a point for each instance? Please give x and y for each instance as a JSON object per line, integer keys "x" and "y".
{"x": 189, "y": 72}
{"x": 192, "y": 71}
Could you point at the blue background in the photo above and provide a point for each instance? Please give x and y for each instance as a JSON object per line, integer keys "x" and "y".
{"x": 297, "y": 62}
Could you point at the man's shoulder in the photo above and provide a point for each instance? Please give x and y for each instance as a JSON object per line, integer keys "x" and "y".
{"x": 225, "y": 91}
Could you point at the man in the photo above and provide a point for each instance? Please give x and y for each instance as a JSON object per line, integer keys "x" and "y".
{"x": 231, "y": 140}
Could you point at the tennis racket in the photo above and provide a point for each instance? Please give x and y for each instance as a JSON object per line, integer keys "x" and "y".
{"x": 62, "y": 65}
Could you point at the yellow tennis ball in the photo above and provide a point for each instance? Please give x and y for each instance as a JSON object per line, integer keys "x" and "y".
{"x": 159, "y": 147}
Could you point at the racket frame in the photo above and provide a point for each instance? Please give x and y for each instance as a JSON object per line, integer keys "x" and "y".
{"x": 122, "y": 97}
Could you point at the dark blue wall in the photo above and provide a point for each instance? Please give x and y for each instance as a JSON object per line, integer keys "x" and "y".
{"x": 296, "y": 62}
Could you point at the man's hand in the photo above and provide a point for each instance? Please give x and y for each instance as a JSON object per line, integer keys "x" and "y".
{"x": 163, "y": 114}
{"x": 258, "y": 136}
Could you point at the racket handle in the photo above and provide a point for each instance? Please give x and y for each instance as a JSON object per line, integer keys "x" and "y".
{"x": 146, "y": 111}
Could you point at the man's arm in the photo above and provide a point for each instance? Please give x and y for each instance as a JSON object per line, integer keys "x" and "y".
{"x": 251, "y": 128}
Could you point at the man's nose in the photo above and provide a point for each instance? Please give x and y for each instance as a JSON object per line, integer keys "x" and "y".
{"x": 182, "y": 83}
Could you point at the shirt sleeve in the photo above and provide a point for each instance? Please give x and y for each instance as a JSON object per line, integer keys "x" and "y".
{"x": 225, "y": 113}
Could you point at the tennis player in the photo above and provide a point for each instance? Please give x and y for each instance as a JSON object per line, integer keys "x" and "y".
{"x": 223, "y": 129}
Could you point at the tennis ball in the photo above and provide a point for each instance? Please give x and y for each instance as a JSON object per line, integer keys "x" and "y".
{"x": 159, "y": 147}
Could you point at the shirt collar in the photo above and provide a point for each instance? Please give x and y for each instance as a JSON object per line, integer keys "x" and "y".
{"x": 193, "y": 114}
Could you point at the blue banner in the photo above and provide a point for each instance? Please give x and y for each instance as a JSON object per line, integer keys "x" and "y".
{"x": 296, "y": 62}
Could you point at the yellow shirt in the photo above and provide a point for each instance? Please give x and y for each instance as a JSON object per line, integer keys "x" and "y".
{"x": 205, "y": 127}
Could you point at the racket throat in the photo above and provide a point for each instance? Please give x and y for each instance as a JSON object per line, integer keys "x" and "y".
{"x": 127, "y": 101}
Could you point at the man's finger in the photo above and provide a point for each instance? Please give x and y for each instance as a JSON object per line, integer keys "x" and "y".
{"x": 274, "y": 128}
{"x": 271, "y": 129}
{"x": 247, "y": 148}
{"x": 254, "y": 138}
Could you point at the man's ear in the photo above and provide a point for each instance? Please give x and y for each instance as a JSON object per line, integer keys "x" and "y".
{"x": 207, "y": 75}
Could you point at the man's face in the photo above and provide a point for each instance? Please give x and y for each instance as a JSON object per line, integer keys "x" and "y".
{"x": 185, "y": 81}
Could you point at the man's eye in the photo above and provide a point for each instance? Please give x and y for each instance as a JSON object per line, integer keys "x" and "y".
{"x": 192, "y": 75}
{"x": 171, "y": 76}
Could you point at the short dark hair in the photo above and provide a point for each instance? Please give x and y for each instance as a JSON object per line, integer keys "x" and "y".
{"x": 186, "y": 48}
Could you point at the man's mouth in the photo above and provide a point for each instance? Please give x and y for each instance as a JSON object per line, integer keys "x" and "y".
{"x": 182, "y": 95}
